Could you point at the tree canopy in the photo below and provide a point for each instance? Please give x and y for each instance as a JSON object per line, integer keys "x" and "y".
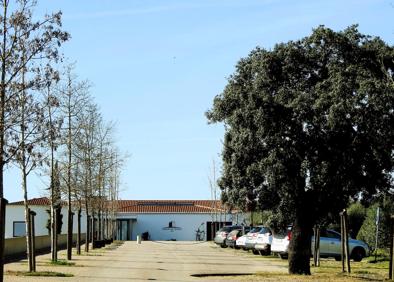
{"x": 308, "y": 126}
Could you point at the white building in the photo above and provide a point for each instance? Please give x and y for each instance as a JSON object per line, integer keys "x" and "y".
{"x": 162, "y": 219}
{"x": 170, "y": 219}
{"x": 15, "y": 218}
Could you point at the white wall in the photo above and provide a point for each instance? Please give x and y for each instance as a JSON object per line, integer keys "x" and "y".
{"x": 17, "y": 213}
{"x": 16, "y": 246}
{"x": 154, "y": 224}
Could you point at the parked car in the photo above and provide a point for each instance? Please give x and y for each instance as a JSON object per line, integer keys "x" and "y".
{"x": 222, "y": 233}
{"x": 263, "y": 241}
{"x": 251, "y": 237}
{"x": 280, "y": 242}
{"x": 330, "y": 245}
{"x": 234, "y": 235}
{"x": 240, "y": 242}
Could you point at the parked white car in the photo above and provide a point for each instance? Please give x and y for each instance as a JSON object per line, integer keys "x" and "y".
{"x": 250, "y": 240}
{"x": 330, "y": 245}
{"x": 261, "y": 232}
{"x": 280, "y": 242}
{"x": 240, "y": 242}
{"x": 264, "y": 241}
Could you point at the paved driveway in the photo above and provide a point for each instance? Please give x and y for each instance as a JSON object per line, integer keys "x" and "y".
{"x": 161, "y": 261}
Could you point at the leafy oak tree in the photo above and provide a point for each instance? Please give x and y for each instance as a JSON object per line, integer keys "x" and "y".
{"x": 309, "y": 125}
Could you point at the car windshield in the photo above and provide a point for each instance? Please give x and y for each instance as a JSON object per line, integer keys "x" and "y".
{"x": 280, "y": 234}
{"x": 234, "y": 232}
{"x": 264, "y": 230}
{"x": 225, "y": 229}
{"x": 255, "y": 230}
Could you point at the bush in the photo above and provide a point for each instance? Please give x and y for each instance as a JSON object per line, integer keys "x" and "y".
{"x": 356, "y": 216}
{"x": 368, "y": 229}
{"x": 367, "y": 232}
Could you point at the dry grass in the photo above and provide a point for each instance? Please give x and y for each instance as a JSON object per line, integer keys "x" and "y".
{"x": 330, "y": 270}
{"x": 39, "y": 273}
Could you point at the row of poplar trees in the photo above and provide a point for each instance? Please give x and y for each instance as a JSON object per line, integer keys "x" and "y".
{"x": 49, "y": 123}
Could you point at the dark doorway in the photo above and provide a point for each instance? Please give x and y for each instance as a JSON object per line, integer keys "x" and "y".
{"x": 123, "y": 229}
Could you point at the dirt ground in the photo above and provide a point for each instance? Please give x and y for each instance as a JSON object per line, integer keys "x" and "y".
{"x": 161, "y": 261}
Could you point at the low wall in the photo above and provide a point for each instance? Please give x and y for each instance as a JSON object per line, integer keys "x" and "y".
{"x": 17, "y": 246}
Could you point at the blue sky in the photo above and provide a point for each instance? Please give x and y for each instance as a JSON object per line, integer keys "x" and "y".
{"x": 156, "y": 66}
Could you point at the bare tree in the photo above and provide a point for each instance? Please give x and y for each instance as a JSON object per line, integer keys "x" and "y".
{"x": 43, "y": 38}
{"x": 85, "y": 145}
{"x": 54, "y": 121}
{"x": 74, "y": 97}
{"x": 29, "y": 152}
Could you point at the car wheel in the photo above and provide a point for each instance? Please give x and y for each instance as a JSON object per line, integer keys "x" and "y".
{"x": 255, "y": 252}
{"x": 223, "y": 245}
{"x": 236, "y": 247}
{"x": 266, "y": 252}
{"x": 338, "y": 258}
{"x": 283, "y": 256}
{"x": 357, "y": 254}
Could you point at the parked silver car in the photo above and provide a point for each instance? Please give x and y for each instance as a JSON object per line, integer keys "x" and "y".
{"x": 234, "y": 235}
{"x": 222, "y": 233}
{"x": 330, "y": 245}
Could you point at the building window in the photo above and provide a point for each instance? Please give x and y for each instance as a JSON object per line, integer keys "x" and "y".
{"x": 19, "y": 229}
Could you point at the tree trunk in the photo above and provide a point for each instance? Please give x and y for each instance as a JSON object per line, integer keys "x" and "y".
{"x": 28, "y": 236}
{"x": 33, "y": 240}
{"x": 69, "y": 147}
{"x": 391, "y": 264}
{"x": 300, "y": 244}
{"x": 55, "y": 231}
{"x": 3, "y": 203}
{"x": 316, "y": 247}
{"x": 24, "y": 180}
{"x": 52, "y": 232}
{"x": 79, "y": 232}
{"x": 87, "y": 228}
{"x": 53, "y": 210}
{"x": 69, "y": 232}
{"x": 93, "y": 229}
{"x": 100, "y": 224}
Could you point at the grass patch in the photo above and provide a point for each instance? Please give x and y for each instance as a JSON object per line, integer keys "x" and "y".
{"x": 318, "y": 277}
{"x": 62, "y": 262}
{"x": 338, "y": 277}
{"x": 39, "y": 273}
{"x": 359, "y": 270}
{"x": 330, "y": 270}
{"x": 91, "y": 254}
{"x": 114, "y": 245}
{"x": 379, "y": 255}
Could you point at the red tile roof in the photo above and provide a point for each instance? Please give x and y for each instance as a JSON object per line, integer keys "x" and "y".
{"x": 169, "y": 206}
{"x": 43, "y": 201}
{"x": 150, "y": 206}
